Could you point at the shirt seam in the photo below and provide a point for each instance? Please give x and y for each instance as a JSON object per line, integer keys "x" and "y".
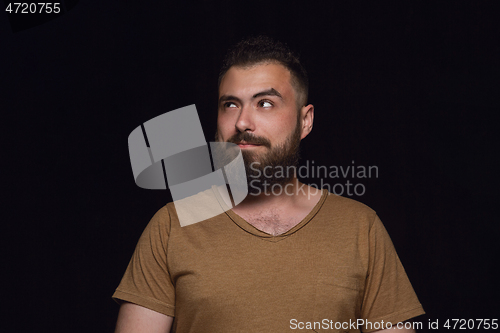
{"x": 393, "y": 314}
{"x": 146, "y": 298}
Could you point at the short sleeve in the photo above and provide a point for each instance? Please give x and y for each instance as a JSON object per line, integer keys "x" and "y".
{"x": 389, "y": 295}
{"x": 147, "y": 281}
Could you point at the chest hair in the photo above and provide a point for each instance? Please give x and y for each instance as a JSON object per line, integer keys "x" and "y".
{"x": 272, "y": 221}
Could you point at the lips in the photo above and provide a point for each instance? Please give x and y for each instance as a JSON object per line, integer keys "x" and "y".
{"x": 244, "y": 144}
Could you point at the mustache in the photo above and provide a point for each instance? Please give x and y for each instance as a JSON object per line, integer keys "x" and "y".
{"x": 250, "y": 139}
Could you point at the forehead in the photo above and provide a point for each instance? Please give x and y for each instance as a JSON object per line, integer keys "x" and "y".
{"x": 251, "y": 79}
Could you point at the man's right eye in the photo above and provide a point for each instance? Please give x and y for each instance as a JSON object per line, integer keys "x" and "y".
{"x": 229, "y": 105}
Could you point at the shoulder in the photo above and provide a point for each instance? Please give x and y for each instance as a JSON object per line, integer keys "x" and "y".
{"x": 347, "y": 211}
{"x": 347, "y": 206}
{"x": 164, "y": 213}
{"x": 161, "y": 220}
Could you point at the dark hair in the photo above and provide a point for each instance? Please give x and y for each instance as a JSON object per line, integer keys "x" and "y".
{"x": 262, "y": 49}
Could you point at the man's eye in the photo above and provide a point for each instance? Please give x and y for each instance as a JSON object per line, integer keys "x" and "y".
{"x": 265, "y": 104}
{"x": 229, "y": 105}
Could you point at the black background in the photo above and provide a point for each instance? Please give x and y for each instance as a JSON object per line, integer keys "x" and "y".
{"x": 412, "y": 88}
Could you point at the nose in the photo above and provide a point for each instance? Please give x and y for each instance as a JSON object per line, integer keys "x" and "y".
{"x": 245, "y": 121}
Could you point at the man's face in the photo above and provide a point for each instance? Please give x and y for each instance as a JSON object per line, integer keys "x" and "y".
{"x": 258, "y": 112}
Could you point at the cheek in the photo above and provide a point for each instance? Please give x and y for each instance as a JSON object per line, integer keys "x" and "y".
{"x": 224, "y": 127}
{"x": 224, "y": 119}
{"x": 283, "y": 125}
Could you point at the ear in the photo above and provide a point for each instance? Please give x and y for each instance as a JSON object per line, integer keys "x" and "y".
{"x": 307, "y": 119}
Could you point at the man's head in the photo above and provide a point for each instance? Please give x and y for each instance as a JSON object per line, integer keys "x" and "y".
{"x": 263, "y": 49}
{"x": 257, "y": 109}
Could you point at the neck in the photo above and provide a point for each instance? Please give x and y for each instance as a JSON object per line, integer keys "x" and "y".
{"x": 292, "y": 194}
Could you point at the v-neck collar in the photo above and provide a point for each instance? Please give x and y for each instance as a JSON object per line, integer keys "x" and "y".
{"x": 243, "y": 224}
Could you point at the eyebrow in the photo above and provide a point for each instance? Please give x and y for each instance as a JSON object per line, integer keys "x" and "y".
{"x": 268, "y": 92}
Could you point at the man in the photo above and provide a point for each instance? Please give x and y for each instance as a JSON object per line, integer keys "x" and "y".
{"x": 289, "y": 257}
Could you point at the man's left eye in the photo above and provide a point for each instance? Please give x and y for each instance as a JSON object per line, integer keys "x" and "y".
{"x": 265, "y": 104}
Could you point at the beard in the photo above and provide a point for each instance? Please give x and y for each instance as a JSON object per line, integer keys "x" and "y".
{"x": 276, "y": 166}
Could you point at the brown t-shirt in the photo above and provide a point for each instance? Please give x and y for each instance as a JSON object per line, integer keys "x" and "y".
{"x": 336, "y": 266}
